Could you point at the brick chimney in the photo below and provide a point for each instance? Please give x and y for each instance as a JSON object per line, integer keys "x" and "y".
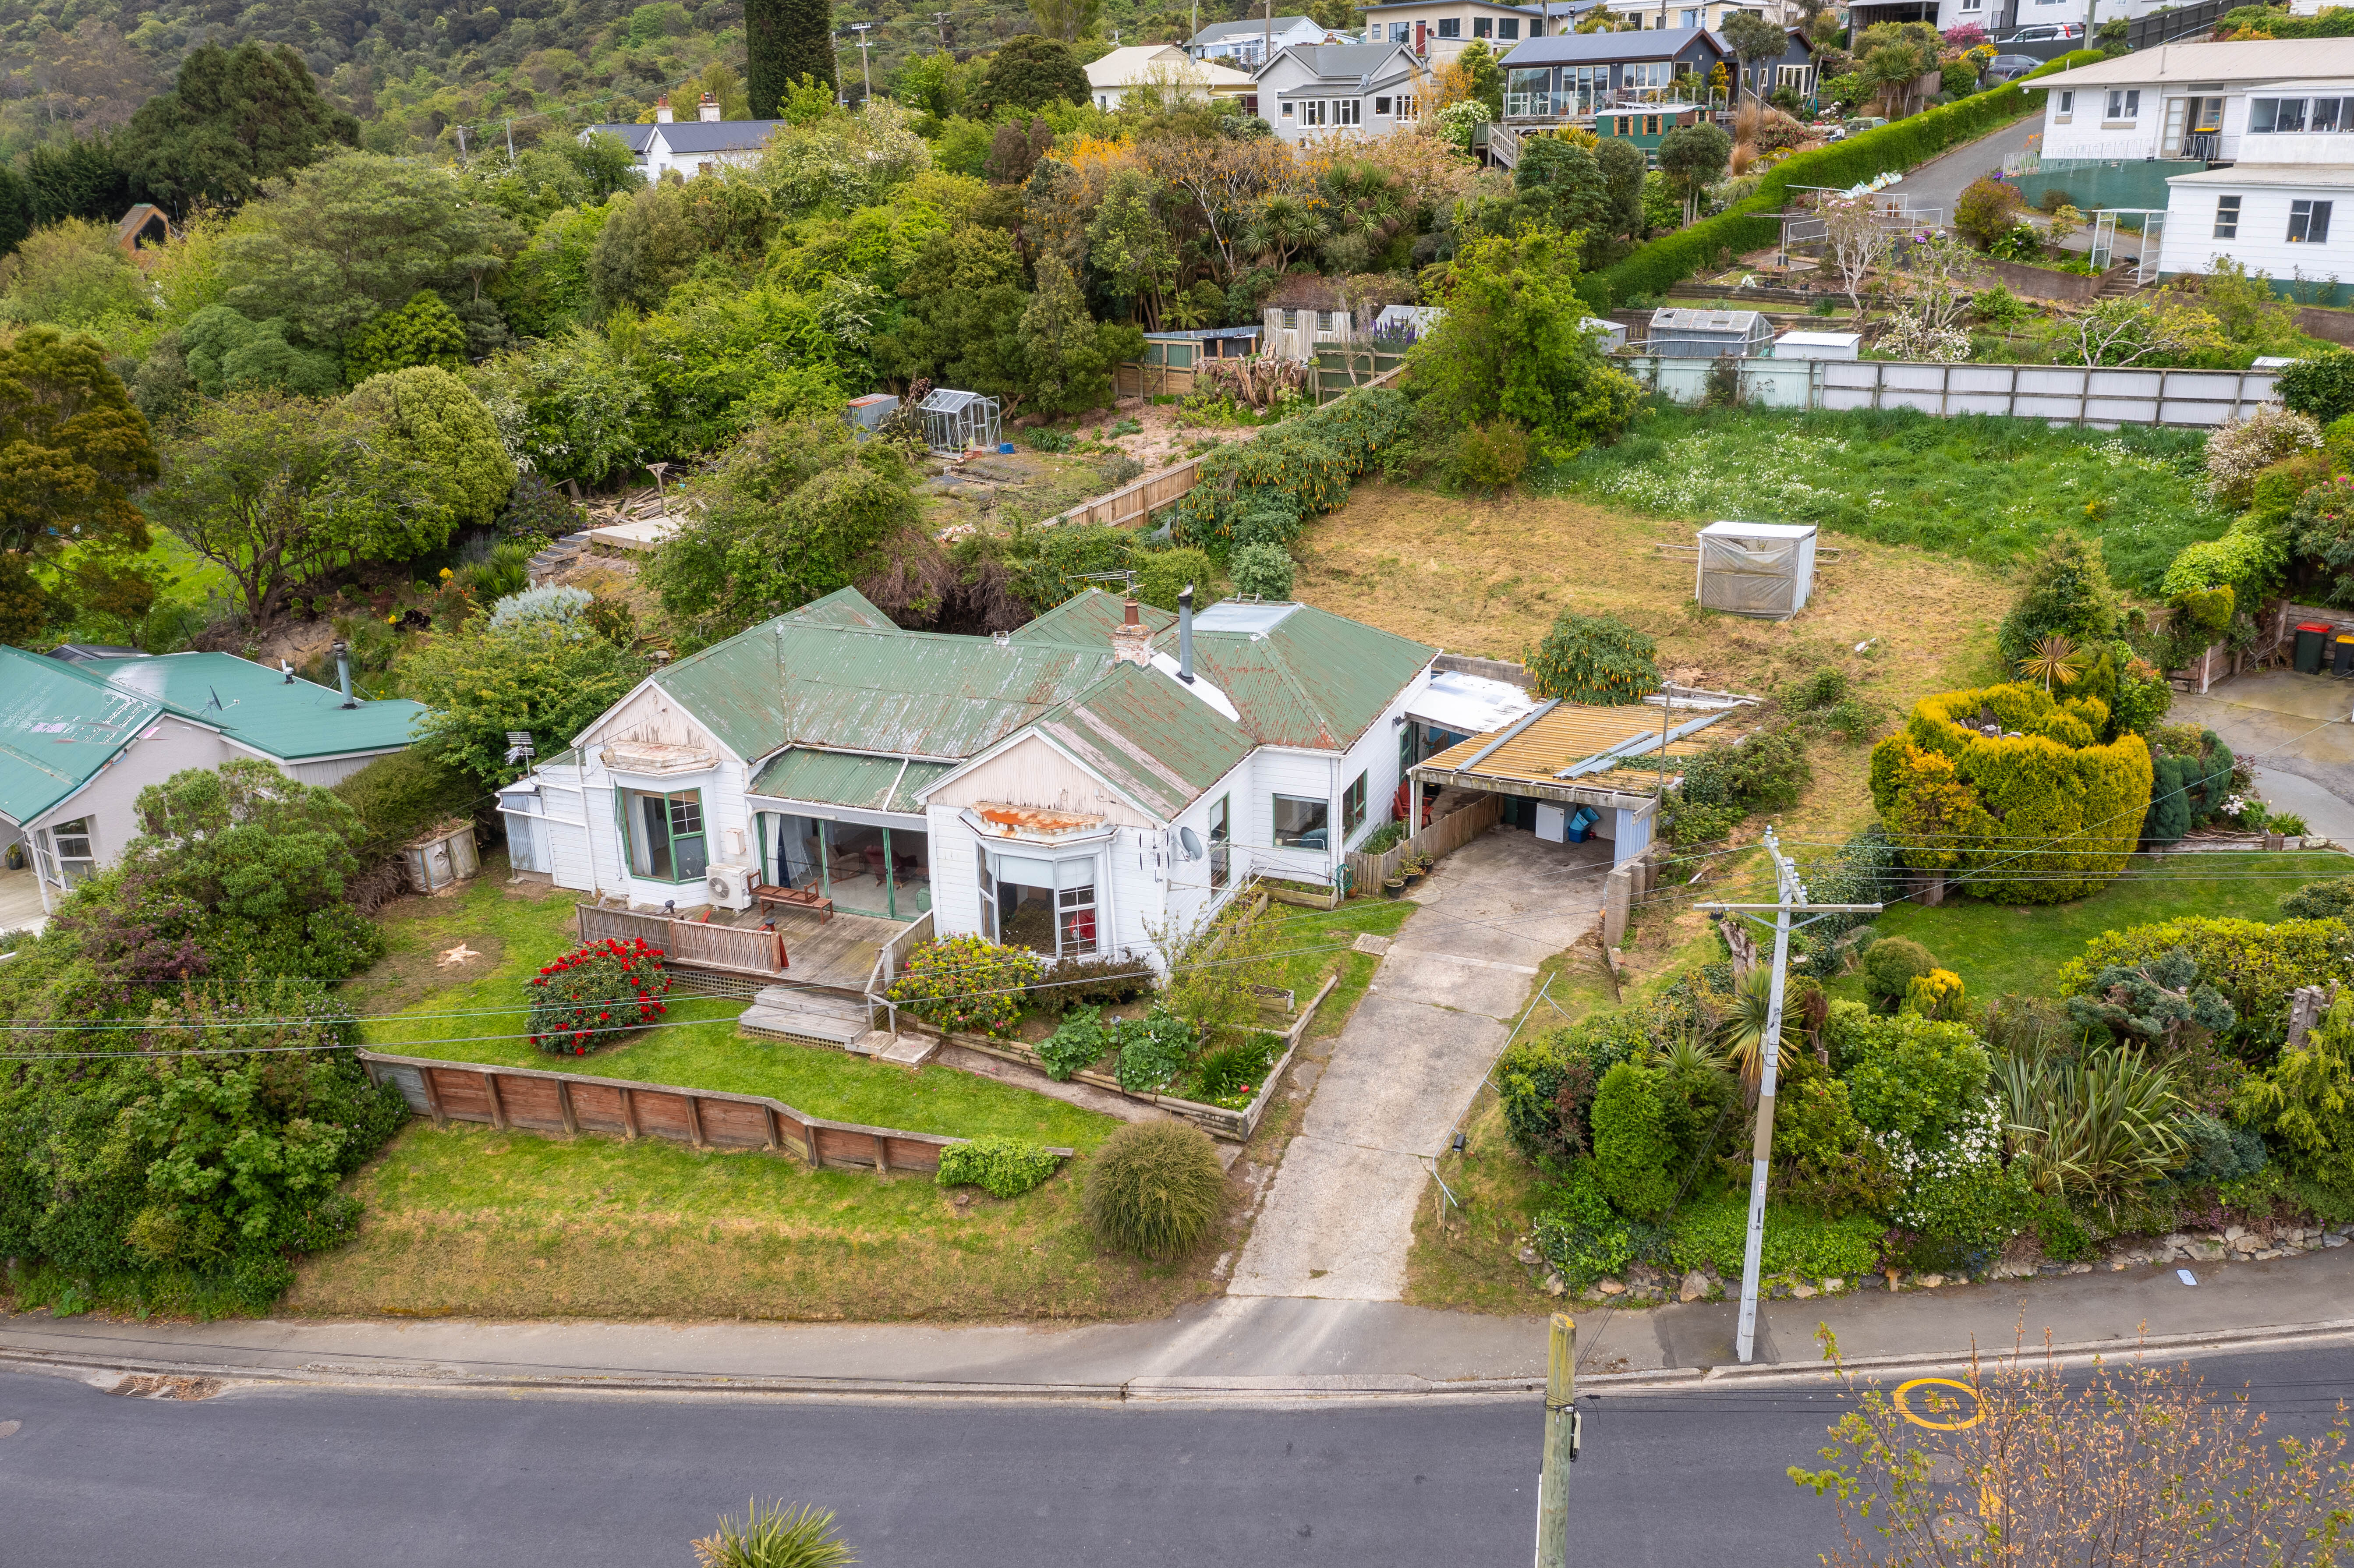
{"x": 1132, "y": 640}
{"x": 662, "y": 110}
{"x": 707, "y": 109}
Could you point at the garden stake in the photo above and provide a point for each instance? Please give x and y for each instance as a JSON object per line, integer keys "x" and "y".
{"x": 1560, "y": 1444}
{"x": 1792, "y": 899}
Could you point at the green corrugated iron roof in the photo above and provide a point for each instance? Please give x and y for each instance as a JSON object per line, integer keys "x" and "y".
{"x": 797, "y": 681}
{"x": 257, "y": 705}
{"x": 1314, "y": 679}
{"x": 1149, "y": 737}
{"x": 1087, "y": 620}
{"x": 843, "y": 779}
{"x": 58, "y": 726}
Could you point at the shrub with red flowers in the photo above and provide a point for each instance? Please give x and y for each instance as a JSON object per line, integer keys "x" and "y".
{"x": 595, "y": 994}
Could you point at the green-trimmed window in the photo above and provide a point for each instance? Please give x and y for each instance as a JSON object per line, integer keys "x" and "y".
{"x": 666, "y": 834}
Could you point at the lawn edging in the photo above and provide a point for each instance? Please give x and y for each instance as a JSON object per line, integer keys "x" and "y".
{"x": 1233, "y": 1126}
{"x": 534, "y": 1099}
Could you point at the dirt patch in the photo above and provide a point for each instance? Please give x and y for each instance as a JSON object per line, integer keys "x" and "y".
{"x": 143, "y": 1385}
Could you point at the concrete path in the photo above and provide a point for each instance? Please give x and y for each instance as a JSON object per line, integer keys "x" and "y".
{"x": 1339, "y": 1221}
{"x": 1940, "y": 182}
{"x": 2296, "y": 730}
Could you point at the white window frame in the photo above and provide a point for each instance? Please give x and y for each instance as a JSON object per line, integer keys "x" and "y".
{"x": 2124, "y": 106}
{"x": 1348, "y": 111}
{"x": 1409, "y": 108}
{"x": 2227, "y": 217}
{"x": 1311, "y": 111}
{"x": 2313, "y": 214}
{"x": 1076, "y": 881}
{"x": 57, "y": 865}
{"x": 1277, "y": 799}
{"x": 2064, "y": 110}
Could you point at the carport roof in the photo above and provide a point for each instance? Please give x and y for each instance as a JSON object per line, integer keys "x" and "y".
{"x": 1566, "y": 750}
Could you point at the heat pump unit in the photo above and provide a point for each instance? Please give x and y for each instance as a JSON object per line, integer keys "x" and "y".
{"x": 731, "y": 886}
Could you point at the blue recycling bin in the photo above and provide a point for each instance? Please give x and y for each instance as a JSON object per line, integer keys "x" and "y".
{"x": 1581, "y": 823}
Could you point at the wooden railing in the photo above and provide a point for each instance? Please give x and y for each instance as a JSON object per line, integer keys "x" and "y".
{"x": 540, "y": 1101}
{"x": 730, "y": 948}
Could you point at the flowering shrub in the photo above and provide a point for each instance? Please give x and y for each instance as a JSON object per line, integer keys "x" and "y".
{"x": 1937, "y": 994}
{"x": 1958, "y": 1196}
{"x": 594, "y": 992}
{"x": 2242, "y": 448}
{"x": 967, "y": 983}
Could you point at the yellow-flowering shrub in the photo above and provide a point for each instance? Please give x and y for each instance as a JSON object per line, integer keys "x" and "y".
{"x": 1937, "y": 994}
{"x": 2033, "y": 813}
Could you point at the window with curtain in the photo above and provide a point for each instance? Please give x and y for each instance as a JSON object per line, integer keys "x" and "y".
{"x": 1046, "y": 905}
{"x": 665, "y": 834}
{"x": 1302, "y": 823}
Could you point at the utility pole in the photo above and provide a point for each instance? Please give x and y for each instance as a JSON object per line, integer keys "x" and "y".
{"x": 1267, "y": 44}
{"x": 864, "y": 75}
{"x": 510, "y": 141}
{"x": 1560, "y": 1444}
{"x": 461, "y": 144}
{"x": 1791, "y": 900}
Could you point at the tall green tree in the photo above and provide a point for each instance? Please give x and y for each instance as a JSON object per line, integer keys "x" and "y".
{"x": 337, "y": 244}
{"x": 234, "y": 120}
{"x": 550, "y": 674}
{"x": 1511, "y": 345}
{"x": 965, "y": 305}
{"x": 71, "y": 451}
{"x": 425, "y": 414}
{"x": 1693, "y": 156}
{"x": 1753, "y": 39}
{"x": 278, "y": 491}
{"x": 1621, "y": 162}
{"x": 785, "y": 40}
{"x": 1068, "y": 353}
{"x": 1030, "y": 71}
{"x": 81, "y": 178}
{"x": 1567, "y": 179}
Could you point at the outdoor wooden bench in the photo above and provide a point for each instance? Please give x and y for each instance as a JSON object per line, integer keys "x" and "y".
{"x": 795, "y": 897}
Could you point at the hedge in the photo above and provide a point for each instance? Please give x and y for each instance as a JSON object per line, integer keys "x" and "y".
{"x": 1304, "y": 465}
{"x": 2255, "y": 965}
{"x": 1753, "y": 223}
{"x": 2056, "y": 816}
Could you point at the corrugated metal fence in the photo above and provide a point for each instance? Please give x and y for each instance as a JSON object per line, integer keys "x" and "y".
{"x": 2063, "y": 394}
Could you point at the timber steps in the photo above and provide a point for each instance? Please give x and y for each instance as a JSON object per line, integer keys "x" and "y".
{"x": 789, "y": 1013}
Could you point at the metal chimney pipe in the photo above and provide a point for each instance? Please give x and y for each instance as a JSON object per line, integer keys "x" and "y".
{"x": 1186, "y": 635}
{"x": 344, "y": 671}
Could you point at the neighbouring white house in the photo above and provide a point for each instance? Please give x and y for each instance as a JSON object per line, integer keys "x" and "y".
{"x": 2206, "y": 104}
{"x": 2294, "y": 222}
{"x": 690, "y": 147}
{"x": 1443, "y": 30}
{"x": 1709, "y": 14}
{"x": 1164, "y": 69}
{"x": 1248, "y": 45}
{"x": 1317, "y": 89}
{"x": 81, "y": 736}
{"x": 1072, "y": 785}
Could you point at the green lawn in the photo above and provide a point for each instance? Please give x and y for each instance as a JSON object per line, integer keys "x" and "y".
{"x": 1983, "y": 487}
{"x": 2003, "y": 948}
{"x": 1317, "y": 939}
{"x": 470, "y": 1012}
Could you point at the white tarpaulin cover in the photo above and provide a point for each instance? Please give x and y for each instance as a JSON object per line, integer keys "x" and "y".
{"x": 1756, "y": 569}
{"x": 1469, "y": 705}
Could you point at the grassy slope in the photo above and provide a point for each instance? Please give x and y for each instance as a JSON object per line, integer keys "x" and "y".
{"x": 1977, "y": 487}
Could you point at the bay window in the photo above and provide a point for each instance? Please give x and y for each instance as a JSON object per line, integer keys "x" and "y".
{"x": 66, "y": 852}
{"x": 1046, "y": 905}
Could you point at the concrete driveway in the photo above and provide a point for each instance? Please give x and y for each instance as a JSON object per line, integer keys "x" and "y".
{"x": 2296, "y": 730}
{"x": 1339, "y": 1220}
{"x": 1940, "y": 182}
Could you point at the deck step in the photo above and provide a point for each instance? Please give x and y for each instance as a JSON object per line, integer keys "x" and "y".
{"x": 783, "y": 1012}
{"x": 907, "y": 1050}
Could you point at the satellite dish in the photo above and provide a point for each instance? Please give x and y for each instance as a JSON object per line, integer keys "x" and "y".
{"x": 1190, "y": 842}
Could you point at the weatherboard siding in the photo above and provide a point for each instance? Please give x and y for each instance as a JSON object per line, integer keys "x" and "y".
{"x": 1033, "y": 773}
{"x": 166, "y": 747}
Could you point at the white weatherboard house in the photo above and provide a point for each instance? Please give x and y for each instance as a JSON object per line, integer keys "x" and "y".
{"x": 80, "y": 738}
{"x": 1249, "y": 45}
{"x": 1350, "y": 88}
{"x": 1163, "y": 68}
{"x": 690, "y": 147}
{"x": 2248, "y": 147}
{"x": 1072, "y": 785}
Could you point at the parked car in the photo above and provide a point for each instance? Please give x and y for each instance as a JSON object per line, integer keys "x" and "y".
{"x": 2009, "y": 68}
{"x": 2045, "y": 33}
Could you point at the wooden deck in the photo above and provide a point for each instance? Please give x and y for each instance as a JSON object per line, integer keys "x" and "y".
{"x": 837, "y": 954}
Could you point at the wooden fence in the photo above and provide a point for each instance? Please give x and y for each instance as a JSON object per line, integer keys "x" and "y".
{"x": 1133, "y": 380}
{"x": 1235, "y": 1126}
{"x": 539, "y": 1101}
{"x": 730, "y": 949}
{"x": 1367, "y": 872}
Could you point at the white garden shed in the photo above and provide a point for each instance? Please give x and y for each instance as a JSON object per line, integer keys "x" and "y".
{"x": 1757, "y": 569}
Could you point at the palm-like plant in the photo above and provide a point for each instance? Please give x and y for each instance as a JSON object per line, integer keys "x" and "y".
{"x": 2054, "y": 660}
{"x": 2100, "y": 1126}
{"x": 776, "y": 1536}
{"x": 1285, "y": 224}
{"x": 1185, "y": 311}
{"x": 1742, "y": 1032}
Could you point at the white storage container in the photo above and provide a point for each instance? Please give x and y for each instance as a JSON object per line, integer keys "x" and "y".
{"x": 1757, "y": 569}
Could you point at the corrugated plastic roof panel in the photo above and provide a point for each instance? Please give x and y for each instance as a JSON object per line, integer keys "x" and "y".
{"x": 1236, "y": 615}
{"x": 58, "y": 726}
{"x": 256, "y": 705}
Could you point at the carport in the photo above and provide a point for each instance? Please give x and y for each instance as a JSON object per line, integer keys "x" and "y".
{"x": 1560, "y": 756}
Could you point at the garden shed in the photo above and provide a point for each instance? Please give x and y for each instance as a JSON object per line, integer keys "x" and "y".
{"x": 957, "y": 422}
{"x": 1818, "y": 346}
{"x": 1680, "y": 333}
{"x": 1757, "y": 569}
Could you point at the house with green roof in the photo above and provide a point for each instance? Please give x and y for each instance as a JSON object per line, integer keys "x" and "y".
{"x": 80, "y": 738}
{"x": 1072, "y": 785}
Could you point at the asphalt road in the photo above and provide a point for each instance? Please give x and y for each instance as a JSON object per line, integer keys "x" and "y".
{"x": 331, "y": 1477}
